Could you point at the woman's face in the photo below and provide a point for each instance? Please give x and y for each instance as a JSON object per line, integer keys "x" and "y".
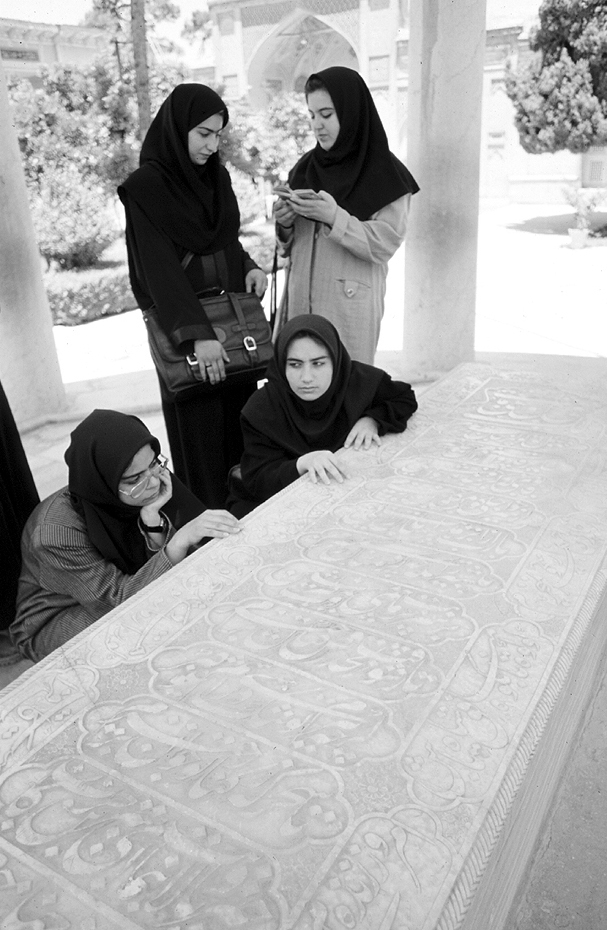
{"x": 309, "y": 368}
{"x": 140, "y": 483}
{"x": 203, "y": 140}
{"x": 325, "y": 124}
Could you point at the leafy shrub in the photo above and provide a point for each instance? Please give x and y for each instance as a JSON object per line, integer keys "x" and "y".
{"x": 75, "y": 298}
{"x": 71, "y": 217}
{"x": 249, "y": 195}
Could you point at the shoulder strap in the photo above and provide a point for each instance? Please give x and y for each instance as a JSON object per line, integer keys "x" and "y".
{"x": 214, "y": 268}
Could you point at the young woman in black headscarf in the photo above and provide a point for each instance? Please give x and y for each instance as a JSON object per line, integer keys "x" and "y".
{"x": 122, "y": 521}
{"x": 345, "y": 213}
{"x": 315, "y": 401}
{"x": 179, "y": 201}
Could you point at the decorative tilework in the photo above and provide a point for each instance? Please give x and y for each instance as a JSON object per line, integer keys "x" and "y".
{"x": 321, "y": 723}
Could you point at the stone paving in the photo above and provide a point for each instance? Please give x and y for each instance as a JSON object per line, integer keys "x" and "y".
{"x": 536, "y": 296}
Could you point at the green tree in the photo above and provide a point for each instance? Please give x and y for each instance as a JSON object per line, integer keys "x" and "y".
{"x": 58, "y": 122}
{"x": 266, "y": 143}
{"x": 197, "y": 30}
{"x": 560, "y": 97}
{"x": 132, "y": 24}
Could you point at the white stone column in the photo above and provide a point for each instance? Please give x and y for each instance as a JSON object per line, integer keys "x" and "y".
{"x": 29, "y": 368}
{"x": 363, "y": 39}
{"x": 446, "y": 56}
{"x": 243, "y": 81}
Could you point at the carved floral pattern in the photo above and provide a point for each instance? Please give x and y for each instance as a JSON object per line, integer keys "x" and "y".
{"x": 308, "y": 726}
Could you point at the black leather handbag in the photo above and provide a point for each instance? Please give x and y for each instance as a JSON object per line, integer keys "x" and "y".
{"x": 240, "y": 325}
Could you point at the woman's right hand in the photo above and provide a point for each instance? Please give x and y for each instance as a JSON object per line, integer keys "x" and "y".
{"x": 211, "y": 357}
{"x": 321, "y": 465}
{"x": 215, "y": 523}
{"x": 284, "y": 214}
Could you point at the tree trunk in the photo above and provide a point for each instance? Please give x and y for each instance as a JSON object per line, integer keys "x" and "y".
{"x": 142, "y": 82}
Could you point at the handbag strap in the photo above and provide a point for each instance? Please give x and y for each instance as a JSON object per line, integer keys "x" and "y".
{"x": 214, "y": 268}
{"x": 273, "y": 289}
{"x": 249, "y": 342}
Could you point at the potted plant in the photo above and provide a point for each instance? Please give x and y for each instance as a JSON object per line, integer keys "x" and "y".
{"x": 584, "y": 200}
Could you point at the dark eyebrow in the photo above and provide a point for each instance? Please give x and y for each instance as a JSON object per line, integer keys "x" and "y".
{"x": 138, "y": 473}
{"x": 293, "y": 358}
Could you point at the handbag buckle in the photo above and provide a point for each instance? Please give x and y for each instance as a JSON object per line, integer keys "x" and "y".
{"x": 192, "y": 360}
{"x": 249, "y": 344}
{"x": 210, "y": 292}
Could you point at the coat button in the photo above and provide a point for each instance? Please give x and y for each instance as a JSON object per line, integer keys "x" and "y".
{"x": 350, "y": 292}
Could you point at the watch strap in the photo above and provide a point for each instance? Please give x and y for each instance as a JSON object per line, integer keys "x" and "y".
{"x": 154, "y": 529}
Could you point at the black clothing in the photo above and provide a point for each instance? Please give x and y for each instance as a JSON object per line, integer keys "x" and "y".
{"x": 304, "y": 425}
{"x": 359, "y": 170}
{"x": 158, "y": 279}
{"x": 172, "y": 207}
{"x": 193, "y": 204}
{"x": 278, "y": 427}
{"x": 18, "y": 497}
{"x": 205, "y": 439}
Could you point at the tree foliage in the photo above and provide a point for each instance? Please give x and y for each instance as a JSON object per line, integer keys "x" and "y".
{"x": 198, "y": 28}
{"x": 560, "y": 98}
{"x": 77, "y": 133}
{"x": 266, "y": 143}
{"x": 58, "y": 122}
{"x": 72, "y": 219}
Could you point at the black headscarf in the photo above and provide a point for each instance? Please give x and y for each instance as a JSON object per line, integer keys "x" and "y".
{"x": 193, "y": 204}
{"x": 359, "y": 170}
{"x": 301, "y": 426}
{"x": 101, "y": 448}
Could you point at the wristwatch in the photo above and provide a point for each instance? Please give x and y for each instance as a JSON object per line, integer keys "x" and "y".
{"x": 154, "y": 529}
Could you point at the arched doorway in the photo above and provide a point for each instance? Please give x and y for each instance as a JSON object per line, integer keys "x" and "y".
{"x": 299, "y": 45}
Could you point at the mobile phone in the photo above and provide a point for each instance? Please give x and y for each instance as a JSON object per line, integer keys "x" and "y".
{"x": 307, "y": 194}
{"x": 283, "y": 191}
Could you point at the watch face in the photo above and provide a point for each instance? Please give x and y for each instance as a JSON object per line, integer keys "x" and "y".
{"x": 154, "y": 529}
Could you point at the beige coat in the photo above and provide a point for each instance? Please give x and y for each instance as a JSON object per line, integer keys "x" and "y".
{"x": 340, "y": 273}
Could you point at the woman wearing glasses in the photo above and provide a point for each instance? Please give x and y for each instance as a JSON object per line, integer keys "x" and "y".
{"x": 122, "y": 521}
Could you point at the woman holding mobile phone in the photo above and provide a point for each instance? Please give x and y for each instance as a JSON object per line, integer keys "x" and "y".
{"x": 344, "y": 214}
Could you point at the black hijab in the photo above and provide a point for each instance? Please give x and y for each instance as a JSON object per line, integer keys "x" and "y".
{"x": 193, "y": 204}
{"x": 301, "y": 426}
{"x": 359, "y": 170}
{"x": 101, "y": 448}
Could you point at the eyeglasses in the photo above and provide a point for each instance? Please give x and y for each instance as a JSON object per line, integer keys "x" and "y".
{"x": 138, "y": 484}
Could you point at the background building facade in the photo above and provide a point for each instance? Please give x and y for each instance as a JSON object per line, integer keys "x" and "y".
{"x": 26, "y": 48}
{"x": 263, "y": 49}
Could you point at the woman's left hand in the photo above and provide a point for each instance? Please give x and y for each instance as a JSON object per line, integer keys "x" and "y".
{"x": 150, "y": 513}
{"x": 321, "y": 209}
{"x": 363, "y": 434}
{"x": 256, "y": 282}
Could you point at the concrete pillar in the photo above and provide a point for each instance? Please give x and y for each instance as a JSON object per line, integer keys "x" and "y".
{"x": 363, "y": 39}
{"x": 29, "y": 368}
{"x": 238, "y": 60}
{"x": 446, "y": 56}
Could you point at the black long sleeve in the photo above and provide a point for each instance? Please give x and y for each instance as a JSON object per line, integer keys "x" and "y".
{"x": 394, "y": 403}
